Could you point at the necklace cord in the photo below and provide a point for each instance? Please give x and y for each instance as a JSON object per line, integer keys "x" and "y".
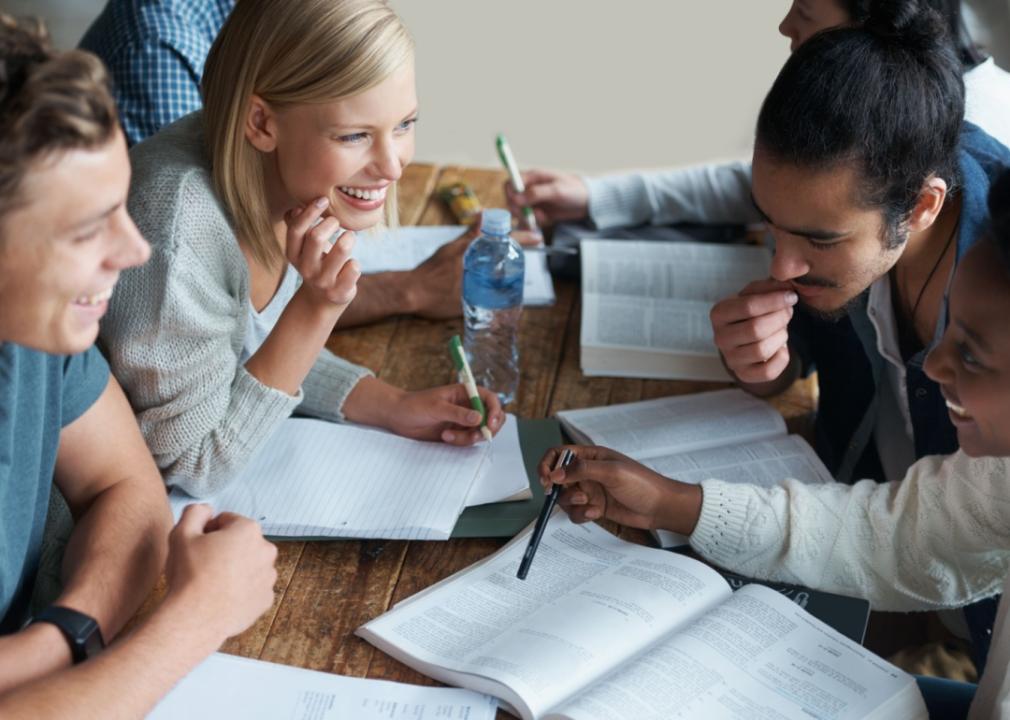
{"x": 943, "y": 253}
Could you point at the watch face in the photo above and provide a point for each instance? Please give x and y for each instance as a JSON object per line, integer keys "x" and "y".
{"x": 80, "y": 630}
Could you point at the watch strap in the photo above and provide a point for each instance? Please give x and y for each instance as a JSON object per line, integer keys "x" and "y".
{"x": 81, "y": 631}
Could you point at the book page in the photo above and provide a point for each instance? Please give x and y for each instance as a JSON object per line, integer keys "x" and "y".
{"x": 505, "y": 477}
{"x": 408, "y": 246}
{"x": 645, "y": 305}
{"x": 314, "y": 478}
{"x": 672, "y": 425}
{"x": 657, "y": 324}
{"x": 765, "y": 463}
{"x": 757, "y": 655}
{"x": 225, "y": 686}
{"x": 589, "y": 601}
{"x": 703, "y": 272}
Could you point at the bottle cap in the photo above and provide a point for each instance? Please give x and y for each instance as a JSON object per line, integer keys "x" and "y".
{"x": 496, "y": 222}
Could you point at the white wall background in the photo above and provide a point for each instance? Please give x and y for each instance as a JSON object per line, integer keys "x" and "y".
{"x": 591, "y": 85}
{"x": 588, "y": 85}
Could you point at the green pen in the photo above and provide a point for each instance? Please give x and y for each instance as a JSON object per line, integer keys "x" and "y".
{"x": 509, "y": 161}
{"x": 466, "y": 377}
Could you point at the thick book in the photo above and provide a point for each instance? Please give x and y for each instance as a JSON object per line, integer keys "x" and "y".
{"x": 846, "y": 614}
{"x": 645, "y": 305}
{"x": 604, "y": 629}
{"x": 726, "y": 434}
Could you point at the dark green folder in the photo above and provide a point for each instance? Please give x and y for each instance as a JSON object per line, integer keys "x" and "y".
{"x": 505, "y": 519}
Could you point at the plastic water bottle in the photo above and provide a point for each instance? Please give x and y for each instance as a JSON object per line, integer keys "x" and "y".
{"x": 493, "y": 272}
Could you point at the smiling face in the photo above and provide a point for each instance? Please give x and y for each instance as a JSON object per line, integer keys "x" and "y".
{"x": 827, "y": 246}
{"x": 806, "y": 18}
{"x": 350, "y": 150}
{"x": 972, "y": 361}
{"x": 62, "y": 250}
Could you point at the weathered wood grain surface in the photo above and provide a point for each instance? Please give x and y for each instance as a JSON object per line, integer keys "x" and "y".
{"x": 327, "y": 589}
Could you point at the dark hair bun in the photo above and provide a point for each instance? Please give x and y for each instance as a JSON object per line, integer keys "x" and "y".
{"x": 909, "y": 23}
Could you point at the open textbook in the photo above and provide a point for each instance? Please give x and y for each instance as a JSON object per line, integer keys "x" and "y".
{"x": 319, "y": 479}
{"x": 726, "y": 434}
{"x": 645, "y": 305}
{"x": 603, "y": 629}
{"x": 407, "y": 247}
{"x": 225, "y": 686}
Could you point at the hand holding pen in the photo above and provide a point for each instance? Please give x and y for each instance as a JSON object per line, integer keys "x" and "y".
{"x": 462, "y": 366}
{"x": 512, "y": 168}
{"x": 554, "y": 196}
{"x": 604, "y": 484}
{"x": 550, "y": 499}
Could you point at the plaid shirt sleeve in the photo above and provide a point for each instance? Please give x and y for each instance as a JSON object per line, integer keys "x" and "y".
{"x": 155, "y": 84}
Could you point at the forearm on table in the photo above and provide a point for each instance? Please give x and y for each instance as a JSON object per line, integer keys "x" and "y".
{"x": 381, "y": 295}
{"x": 680, "y": 509}
{"x": 126, "y": 680}
{"x": 116, "y": 553}
{"x": 124, "y": 535}
{"x": 371, "y": 402}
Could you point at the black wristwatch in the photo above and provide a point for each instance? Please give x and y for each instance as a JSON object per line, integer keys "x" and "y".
{"x": 80, "y": 630}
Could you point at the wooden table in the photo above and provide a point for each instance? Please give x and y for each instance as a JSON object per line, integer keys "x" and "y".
{"x": 325, "y": 590}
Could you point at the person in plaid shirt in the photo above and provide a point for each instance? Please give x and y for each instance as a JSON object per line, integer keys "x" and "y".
{"x": 155, "y": 50}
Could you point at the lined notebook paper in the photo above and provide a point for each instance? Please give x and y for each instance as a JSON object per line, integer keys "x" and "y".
{"x": 319, "y": 479}
{"x": 505, "y": 476}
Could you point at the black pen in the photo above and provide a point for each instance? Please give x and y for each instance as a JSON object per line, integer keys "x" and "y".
{"x": 545, "y": 513}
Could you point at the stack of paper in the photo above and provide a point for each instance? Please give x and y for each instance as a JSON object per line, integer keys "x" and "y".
{"x": 321, "y": 479}
{"x": 225, "y": 686}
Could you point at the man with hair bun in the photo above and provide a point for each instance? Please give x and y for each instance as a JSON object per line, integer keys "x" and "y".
{"x": 63, "y": 244}
{"x": 938, "y": 538}
{"x": 873, "y": 188}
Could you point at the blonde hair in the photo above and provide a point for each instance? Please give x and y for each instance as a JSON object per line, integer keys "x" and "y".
{"x": 288, "y": 53}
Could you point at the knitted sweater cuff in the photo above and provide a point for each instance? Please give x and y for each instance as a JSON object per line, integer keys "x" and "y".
{"x": 256, "y": 408}
{"x": 327, "y": 386}
{"x": 618, "y": 201}
{"x": 719, "y": 535}
{"x": 254, "y": 412}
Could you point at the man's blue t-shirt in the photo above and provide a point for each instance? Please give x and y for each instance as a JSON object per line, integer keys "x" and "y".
{"x": 40, "y": 394}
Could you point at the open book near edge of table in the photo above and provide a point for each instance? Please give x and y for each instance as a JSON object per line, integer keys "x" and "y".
{"x": 604, "y": 629}
{"x": 646, "y": 304}
{"x": 726, "y": 434}
{"x": 407, "y": 247}
{"x": 225, "y": 686}
{"x": 319, "y": 479}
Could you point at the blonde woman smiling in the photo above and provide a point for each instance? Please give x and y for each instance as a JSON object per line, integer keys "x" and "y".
{"x": 308, "y": 122}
